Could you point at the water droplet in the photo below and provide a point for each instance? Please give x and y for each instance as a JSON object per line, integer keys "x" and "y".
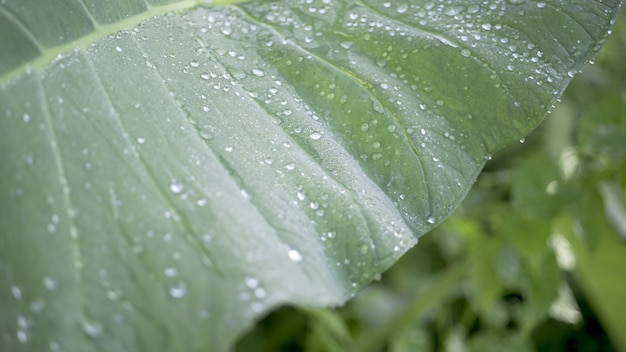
{"x": 176, "y": 187}
{"x": 364, "y": 249}
{"x": 170, "y": 272}
{"x": 22, "y": 323}
{"x": 259, "y": 293}
{"x": 258, "y": 72}
{"x": 178, "y": 291}
{"x": 50, "y": 284}
{"x": 315, "y": 136}
{"x": 541, "y": 4}
{"x": 22, "y": 336}
{"x": 37, "y": 306}
{"x": 294, "y": 255}
{"x": 92, "y": 329}
{"x": 431, "y": 219}
{"x": 402, "y": 8}
{"x": 194, "y": 63}
{"x": 17, "y": 292}
{"x": 26, "y": 118}
{"x": 54, "y": 346}
{"x": 251, "y": 282}
{"x": 466, "y": 53}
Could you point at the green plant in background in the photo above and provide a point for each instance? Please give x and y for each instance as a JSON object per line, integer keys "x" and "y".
{"x": 171, "y": 172}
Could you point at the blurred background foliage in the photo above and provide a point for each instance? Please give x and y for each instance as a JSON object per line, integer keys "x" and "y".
{"x": 533, "y": 260}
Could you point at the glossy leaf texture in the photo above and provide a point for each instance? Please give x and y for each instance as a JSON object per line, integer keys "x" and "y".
{"x": 172, "y": 171}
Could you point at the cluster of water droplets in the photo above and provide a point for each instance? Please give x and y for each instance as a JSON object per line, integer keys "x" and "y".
{"x": 34, "y": 306}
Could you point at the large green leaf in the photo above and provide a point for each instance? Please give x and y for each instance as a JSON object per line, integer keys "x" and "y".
{"x": 171, "y": 171}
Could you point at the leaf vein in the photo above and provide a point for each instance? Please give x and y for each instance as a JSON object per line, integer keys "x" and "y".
{"x": 406, "y": 139}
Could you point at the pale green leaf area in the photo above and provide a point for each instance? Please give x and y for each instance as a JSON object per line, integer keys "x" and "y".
{"x": 172, "y": 172}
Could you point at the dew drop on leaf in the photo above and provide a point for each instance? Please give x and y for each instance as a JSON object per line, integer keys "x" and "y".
{"x": 178, "y": 291}
{"x": 295, "y": 255}
{"x": 251, "y": 282}
{"x": 402, "y": 8}
{"x": 17, "y": 292}
{"x": 22, "y": 336}
{"x": 315, "y": 136}
{"x": 92, "y": 329}
{"x": 54, "y": 346}
{"x": 260, "y": 293}
{"x": 176, "y": 187}
{"x": 50, "y": 284}
{"x": 170, "y": 272}
{"x": 258, "y": 72}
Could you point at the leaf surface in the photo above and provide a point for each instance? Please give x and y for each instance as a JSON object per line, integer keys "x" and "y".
{"x": 172, "y": 171}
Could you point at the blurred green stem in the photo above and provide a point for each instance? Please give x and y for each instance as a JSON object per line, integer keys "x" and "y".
{"x": 372, "y": 340}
